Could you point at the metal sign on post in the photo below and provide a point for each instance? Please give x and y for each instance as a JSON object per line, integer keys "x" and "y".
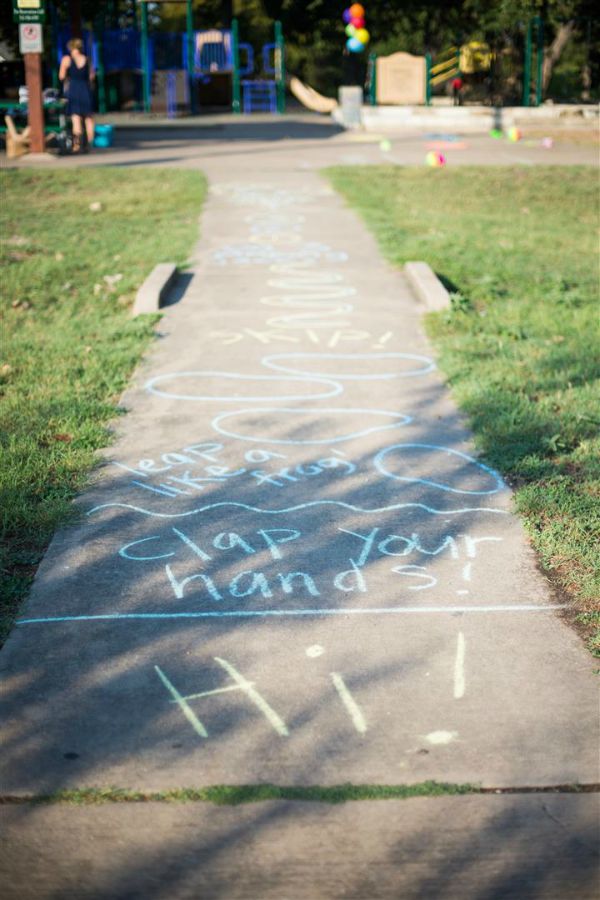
{"x": 29, "y": 11}
{"x": 30, "y": 14}
{"x": 31, "y": 38}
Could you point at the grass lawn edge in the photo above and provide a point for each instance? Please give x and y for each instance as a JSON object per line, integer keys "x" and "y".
{"x": 464, "y": 223}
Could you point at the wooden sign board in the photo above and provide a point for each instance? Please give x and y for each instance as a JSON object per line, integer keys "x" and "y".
{"x": 401, "y": 79}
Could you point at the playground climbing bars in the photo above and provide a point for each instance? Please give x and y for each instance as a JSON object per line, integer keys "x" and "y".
{"x": 236, "y": 101}
{"x": 280, "y": 67}
{"x": 535, "y": 24}
{"x": 189, "y": 19}
{"x": 197, "y": 54}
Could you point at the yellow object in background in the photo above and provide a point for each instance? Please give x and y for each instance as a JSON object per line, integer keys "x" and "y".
{"x": 475, "y": 56}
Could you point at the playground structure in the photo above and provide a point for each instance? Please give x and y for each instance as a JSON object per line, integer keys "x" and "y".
{"x": 146, "y": 69}
{"x": 310, "y": 98}
{"x": 397, "y": 79}
{"x": 167, "y": 73}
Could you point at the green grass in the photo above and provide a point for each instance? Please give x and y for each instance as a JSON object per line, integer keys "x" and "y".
{"x": 234, "y": 795}
{"x": 237, "y": 794}
{"x": 68, "y": 342}
{"x": 520, "y": 347}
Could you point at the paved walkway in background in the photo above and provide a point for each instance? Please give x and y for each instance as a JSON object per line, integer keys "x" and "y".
{"x": 302, "y": 141}
{"x": 294, "y": 569}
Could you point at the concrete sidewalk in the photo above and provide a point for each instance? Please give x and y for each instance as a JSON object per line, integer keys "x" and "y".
{"x": 300, "y": 142}
{"x": 446, "y": 848}
{"x": 294, "y": 569}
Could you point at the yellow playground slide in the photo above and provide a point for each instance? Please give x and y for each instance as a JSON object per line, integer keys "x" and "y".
{"x": 310, "y": 98}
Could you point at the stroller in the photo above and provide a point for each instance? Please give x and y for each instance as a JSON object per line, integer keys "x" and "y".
{"x": 57, "y": 127}
{"x": 58, "y": 124}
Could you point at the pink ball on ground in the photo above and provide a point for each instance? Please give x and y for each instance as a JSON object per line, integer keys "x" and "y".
{"x": 435, "y": 159}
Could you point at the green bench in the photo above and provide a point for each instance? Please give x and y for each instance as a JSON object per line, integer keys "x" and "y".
{"x": 13, "y": 114}
{"x": 55, "y": 120}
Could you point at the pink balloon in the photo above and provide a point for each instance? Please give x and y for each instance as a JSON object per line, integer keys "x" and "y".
{"x": 357, "y": 21}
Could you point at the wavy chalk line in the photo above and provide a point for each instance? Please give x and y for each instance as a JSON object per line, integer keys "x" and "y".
{"x": 276, "y": 512}
{"x": 274, "y": 361}
{"x": 334, "y": 389}
{"x": 379, "y": 465}
{"x": 400, "y": 418}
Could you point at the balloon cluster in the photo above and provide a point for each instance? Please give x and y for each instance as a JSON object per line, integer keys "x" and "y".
{"x": 358, "y": 36}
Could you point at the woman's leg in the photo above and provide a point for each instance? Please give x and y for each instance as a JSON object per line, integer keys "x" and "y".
{"x": 77, "y": 132}
{"x": 89, "y": 130}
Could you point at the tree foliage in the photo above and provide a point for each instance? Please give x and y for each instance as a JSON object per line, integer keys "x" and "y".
{"x": 315, "y": 37}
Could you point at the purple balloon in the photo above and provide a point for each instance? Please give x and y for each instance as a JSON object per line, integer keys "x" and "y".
{"x": 346, "y": 16}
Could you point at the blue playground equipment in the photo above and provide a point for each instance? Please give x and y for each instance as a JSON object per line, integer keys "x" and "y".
{"x": 259, "y": 96}
{"x": 214, "y": 53}
{"x": 163, "y": 70}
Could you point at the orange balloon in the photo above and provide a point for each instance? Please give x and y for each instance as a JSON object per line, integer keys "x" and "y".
{"x": 357, "y": 11}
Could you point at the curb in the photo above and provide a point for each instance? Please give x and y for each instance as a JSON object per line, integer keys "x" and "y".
{"x": 427, "y": 286}
{"x": 150, "y": 294}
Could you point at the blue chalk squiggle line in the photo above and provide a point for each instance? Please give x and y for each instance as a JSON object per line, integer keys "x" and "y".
{"x": 333, "y": 388}
{"x": 400, "y": 418}
{"x": 379, "y": 465}
{"x": 274, "y": 361}
{"x": 276, "y": 512}
{"x": 242, "y": 613}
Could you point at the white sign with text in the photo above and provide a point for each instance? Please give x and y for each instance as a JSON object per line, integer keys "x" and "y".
{"x": 30, "y": 38}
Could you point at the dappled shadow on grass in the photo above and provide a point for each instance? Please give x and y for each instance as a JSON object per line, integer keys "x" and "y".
{"x": 520, "y": 343}
{"x": 532, "y": 407}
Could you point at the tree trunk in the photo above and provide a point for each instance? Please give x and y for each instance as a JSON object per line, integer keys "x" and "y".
{"x": 75, "y": 18}
{"x": 554, "y": 51}
{"x": 586, "y": 81}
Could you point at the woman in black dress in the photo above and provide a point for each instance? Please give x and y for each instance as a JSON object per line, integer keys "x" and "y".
{"x": 76, "y": 71}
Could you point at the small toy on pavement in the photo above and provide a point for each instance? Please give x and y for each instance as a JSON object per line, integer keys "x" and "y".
{"x": 435, "y": 159}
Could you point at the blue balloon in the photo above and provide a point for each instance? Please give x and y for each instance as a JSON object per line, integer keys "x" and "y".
{"x": 354, "y": 45}
{"x": 346, "y": 16}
